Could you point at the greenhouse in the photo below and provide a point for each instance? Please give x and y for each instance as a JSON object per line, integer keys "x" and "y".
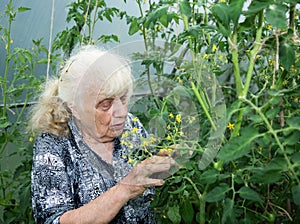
{"x": 150, "y": 111}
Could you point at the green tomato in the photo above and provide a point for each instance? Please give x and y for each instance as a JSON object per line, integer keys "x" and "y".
{"x": 271, "y": 217}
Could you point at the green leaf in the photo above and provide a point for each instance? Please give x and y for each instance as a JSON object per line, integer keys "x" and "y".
{"x": 23, "y": 9}
{"x": 185, "y": 8}
{"x": 296, "y": 158}
{"x": 276, "y": 15}
{"x": 209, "y": 176}
{"x": 249, "y": 194}
{"x": 180, "y": 189}
{"x": 217, "y": 193}
{"x": 273, "y": 112}
{"x": 296, "y": 194}
{"x": 4, "y": 123}
{"x": 157, "y": 126}
{"x": 267, "y": 176}
{"x": 277, "y": 164}
{"x": 164, "y": 20}
{"x": 256, "y": 118}
{"x": 286, "y": 54}
{"x": 257, "y": 6}
{"x": 228, "y": 212}
{"x": 238, "y": 146}
{"x": 293, "y": 122}
{"x": 174, "y": 215}
{"x": 222, "y": 13}
{"x": 187, "y": 211}
{"x": 236, "y": 7}
{"x": 293, "y": 138}
{"x": 156, "y": 14}
{"x": 134, "y": 27}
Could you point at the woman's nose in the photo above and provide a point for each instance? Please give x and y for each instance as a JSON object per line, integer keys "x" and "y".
{"x": 120, "y": 108}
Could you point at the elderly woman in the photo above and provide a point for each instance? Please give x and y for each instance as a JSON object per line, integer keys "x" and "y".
{"x": 80, "y": 172}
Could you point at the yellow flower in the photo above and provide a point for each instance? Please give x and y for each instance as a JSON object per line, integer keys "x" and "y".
{"x": 152, "y": 139}
{"x": 145, "y": 143}
{"x": 214, "y": 48}
{"x": 130, "y": 161}
{"x": 178, "y": 118}
{"x": 124, "y": 143}
{"x": 293, "y": 69}
{"x": 192, "y": 119}
{"x": 134, "y": 130}
{"x": 134, "y": 119}
{"x": 169, "y": 137}
{"x": 164, "y": 150}
{"x": 296, "y": 99}
{"x": 205, "y": 56}
{"x": 285, "y": 82}
{"x": 31, "y": 139}
{"x": 230, "y": 126}
{"x": 258, "y": 56}
{"x": 171, "y": 115}
{"x": 125, "y": 134}
{"x": 269, "y": 27}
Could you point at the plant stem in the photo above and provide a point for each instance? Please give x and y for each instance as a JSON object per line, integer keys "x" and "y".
{"x": 146, "y": 49}
{"x": 274, "y": 133}
{"x": 235, "y": 61}
{"x": 253, "y": 53}
{"x": 203, "y": 105}
{"x": 94, "y": 22}
{"x": 242, "y": 91}
{"x": 7, "y": 58}
{"x": 201, "y": 200}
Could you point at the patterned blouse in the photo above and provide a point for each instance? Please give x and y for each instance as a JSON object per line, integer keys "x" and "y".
{"x": 67, "y": 174}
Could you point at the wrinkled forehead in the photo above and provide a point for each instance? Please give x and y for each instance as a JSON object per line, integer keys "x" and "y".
{"x": 109, "y": 75}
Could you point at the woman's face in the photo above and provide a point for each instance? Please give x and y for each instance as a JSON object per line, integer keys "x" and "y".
{"x": 102, "y": 119}
{"x": 110, "y": 116}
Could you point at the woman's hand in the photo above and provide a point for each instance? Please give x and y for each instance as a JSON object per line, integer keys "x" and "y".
{"x": 149, "y": 172}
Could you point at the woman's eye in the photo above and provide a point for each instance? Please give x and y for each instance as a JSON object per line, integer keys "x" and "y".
{"x": 105, "y": 105}
{"x": 124, "y": 99}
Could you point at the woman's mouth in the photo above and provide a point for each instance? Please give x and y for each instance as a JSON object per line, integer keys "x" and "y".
{"x": 119, "y": 126}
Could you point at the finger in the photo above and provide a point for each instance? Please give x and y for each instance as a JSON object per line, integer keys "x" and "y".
{"x": 158, "y": 159}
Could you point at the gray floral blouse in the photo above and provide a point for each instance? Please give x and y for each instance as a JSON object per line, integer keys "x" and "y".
{"x": 67, "y": 174}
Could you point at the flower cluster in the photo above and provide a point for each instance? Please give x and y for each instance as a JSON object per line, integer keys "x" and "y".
{"x": 140, "y": 148}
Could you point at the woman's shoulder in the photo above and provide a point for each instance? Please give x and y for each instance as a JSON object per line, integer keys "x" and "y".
{"x": 51, "y": 138}
{"x": 47, "y": 142}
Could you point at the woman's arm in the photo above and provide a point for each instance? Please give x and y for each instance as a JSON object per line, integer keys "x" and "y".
{"x": 104, "y": 208}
